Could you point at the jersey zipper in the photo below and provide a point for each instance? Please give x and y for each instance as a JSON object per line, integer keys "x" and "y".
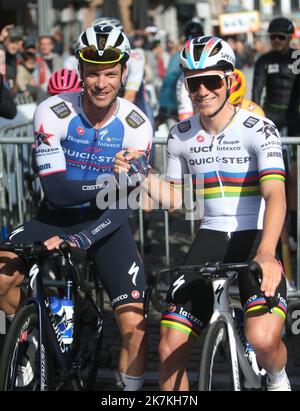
{"x": 218, "y": 176}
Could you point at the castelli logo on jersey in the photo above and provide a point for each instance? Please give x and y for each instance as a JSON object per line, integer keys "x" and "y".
{"x": 80, "y": 131}
{"x": 200, "y": 138}
{"x": 172, "y": 308}
{"x": 135, "y": 294}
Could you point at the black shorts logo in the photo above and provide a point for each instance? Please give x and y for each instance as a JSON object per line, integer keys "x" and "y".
{"x": 61, "y": 110}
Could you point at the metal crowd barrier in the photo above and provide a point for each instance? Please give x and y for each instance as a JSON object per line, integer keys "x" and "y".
{"x": 17, "y": 130}
{"x": 16, "y": 202}
{"x": 286, "y": 141}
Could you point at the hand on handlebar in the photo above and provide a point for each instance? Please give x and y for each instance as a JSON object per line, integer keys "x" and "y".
{"x": 55, "y": 243}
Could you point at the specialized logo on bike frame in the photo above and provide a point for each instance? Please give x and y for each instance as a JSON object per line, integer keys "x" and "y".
{"x": 61, "y": 110}
{"x": 268, "y": 130}
{"x": 184, "y": 127}
{"x": 219, "y": 292}
{"x": 42, "y": 137}
{"x": 135, "y": 294}
{"x": 32, "y": 274}
{"x": 250, "y": 122}
{"x": 134, "y": 119}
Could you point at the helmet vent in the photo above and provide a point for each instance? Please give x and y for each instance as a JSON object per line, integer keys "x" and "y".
{"x": 216, "y": 49}
{"x": 84, "y": 39}
{"x": 205, "y": 39}
{"x": 119, "y": 40}
{"x": 197, "y": 52}
{"x": 101, "y": 41}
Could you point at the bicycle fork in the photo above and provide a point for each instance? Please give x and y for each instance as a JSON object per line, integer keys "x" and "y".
{"x": 239, "y": 359}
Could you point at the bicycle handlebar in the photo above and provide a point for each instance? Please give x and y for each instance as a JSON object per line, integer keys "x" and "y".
{"x": 35, "y": 250}
{"x": 215, "y": 270}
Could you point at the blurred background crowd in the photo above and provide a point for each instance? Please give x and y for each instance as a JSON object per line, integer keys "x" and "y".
{"x": 37, "y": 37}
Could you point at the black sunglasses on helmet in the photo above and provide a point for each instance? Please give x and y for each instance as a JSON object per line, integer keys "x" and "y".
{"x": 91, "y": 55}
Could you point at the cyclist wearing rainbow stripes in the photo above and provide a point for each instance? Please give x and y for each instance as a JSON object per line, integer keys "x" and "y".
{"x": 235, "y": 159}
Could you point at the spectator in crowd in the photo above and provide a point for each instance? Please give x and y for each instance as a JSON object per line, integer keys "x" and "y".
{"x": 71, "y": 62}
{"x": 8, "y": 108}
{"x": 25, "y": 71}
{"x": 161, "y": 59}
{"x": 58, "y": 41}
{"x": 243, "y": 52}
{"x": 274, "y": 73}
{"x": 47, "y": 61}
{"x": 238, "y": 62}
{"x": 12, "y": 45}
{"x": 259, "y": 48}
{"x": 29, "y": 44}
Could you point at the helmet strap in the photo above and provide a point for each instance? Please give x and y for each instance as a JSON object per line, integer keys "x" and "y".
{"x": 224, "y": 102}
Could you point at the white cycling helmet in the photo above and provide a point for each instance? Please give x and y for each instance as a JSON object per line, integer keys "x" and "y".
{"x": 207, "y": 52}
{"x": 110, "y": 21}
{"x": 103, "y": 44}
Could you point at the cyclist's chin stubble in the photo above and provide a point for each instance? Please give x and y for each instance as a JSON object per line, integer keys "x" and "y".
{"x": 103, "y": 102}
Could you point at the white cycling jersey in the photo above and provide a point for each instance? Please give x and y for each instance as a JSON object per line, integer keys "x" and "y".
{"x": 67, "y": 142}
{"x": 227, "y": 168}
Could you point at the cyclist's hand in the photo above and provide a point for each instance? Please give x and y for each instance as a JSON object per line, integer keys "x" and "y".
{"x": 271, "y": 273}
{"x": 122, "y": 160}
{"x": 54, "y": 243}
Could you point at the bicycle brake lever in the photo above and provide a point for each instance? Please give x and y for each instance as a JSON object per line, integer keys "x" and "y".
{"x": 256, "y": 270}
{"x": 65, "y": 248}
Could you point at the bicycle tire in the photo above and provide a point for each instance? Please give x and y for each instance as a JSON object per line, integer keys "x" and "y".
{"x": 17, "y": 344}
{"x": 215, "y": 372}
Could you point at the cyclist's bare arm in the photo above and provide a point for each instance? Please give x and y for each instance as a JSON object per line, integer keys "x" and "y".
{"x": 161, "y": 191}
{"x": 274, "y": 194}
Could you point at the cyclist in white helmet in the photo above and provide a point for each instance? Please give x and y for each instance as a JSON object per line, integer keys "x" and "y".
{"x": 133, "y": 86}
{"x": 77, "y": 136}
{"x": 237, "y": 156}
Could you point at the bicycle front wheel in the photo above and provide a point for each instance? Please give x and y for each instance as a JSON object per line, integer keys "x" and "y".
{"x": 216, "y": 373}
{"x": 20, "y": 363}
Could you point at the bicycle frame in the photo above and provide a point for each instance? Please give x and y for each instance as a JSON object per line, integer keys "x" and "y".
{"x": 223, "y": 309}
{"x": 47, "y": 326}
{"x": 69, "y": 366}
